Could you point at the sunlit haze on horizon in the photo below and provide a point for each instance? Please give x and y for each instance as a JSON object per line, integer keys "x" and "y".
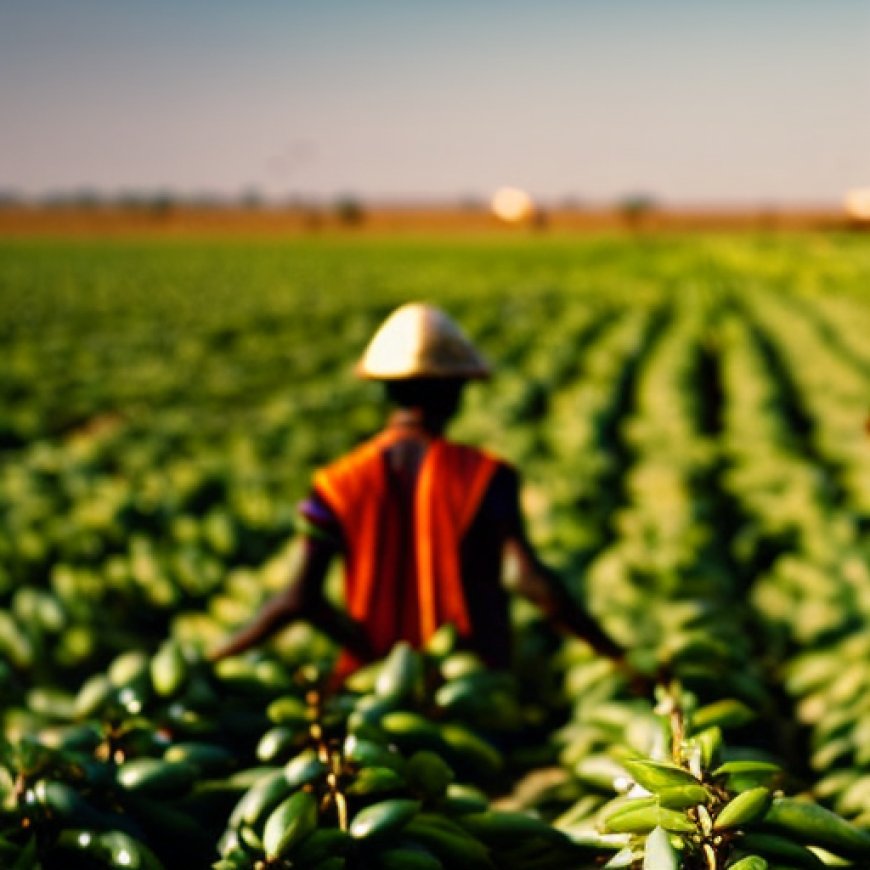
{"x": 737, "y": 102}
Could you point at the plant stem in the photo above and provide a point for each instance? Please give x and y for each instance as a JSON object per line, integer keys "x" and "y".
{"x": 710, "y": 855}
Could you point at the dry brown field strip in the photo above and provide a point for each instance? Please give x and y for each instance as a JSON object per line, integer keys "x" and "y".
{"x": 24, "y": 221}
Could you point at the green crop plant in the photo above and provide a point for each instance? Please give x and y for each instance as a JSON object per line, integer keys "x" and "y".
{"x": 699, "y": 803}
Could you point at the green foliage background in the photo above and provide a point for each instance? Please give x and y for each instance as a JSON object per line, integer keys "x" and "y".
{"x": 687, "y": 412}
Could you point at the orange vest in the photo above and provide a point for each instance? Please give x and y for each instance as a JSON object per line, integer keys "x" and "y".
{"x": 449, "y": 488}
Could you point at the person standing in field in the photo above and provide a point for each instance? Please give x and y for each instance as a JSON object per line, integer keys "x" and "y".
{"x": 423, "y": 523}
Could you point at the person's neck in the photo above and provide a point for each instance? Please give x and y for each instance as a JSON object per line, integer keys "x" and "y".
{"x": 415, "y": 419}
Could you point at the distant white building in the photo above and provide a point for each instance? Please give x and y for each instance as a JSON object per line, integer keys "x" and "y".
{"x": 512, "y": 205}
{"x": 857, "y": 204}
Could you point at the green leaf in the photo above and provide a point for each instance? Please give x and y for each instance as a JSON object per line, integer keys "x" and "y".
{"x": 814, "y": 825}
{"x": 643, "y": 818}
{"x": 750, "y": 862}
{"x": 709, "y": 741}
{"x": 728, "y": 713}
{"x": 743, "y": 809}
{"x": 681, "y": 797}
{"x": 293, "y": 819}
{"x": 744, "y": 775}
{"x": 657, "y": 775}
{"x": 658, "y": 853}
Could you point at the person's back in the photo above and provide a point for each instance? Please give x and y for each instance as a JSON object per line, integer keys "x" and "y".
{"x": 423, "y": 523}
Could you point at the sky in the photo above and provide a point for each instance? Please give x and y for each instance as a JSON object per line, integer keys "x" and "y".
{"x": 738, "y": 102}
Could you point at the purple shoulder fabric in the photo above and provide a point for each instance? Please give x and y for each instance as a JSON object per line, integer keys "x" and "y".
{"x": 318, "y": 520}
{"x": 316, "y": 510}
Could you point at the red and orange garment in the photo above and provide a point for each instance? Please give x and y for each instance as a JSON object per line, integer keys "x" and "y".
{"x": 451, "y": 483}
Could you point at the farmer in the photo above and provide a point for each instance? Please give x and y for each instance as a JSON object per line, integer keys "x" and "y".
{"x": 423, "y": 523}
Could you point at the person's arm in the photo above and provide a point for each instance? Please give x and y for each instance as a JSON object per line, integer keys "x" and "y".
{"x": 303, "y": 599}
{"x": 540, "y": 585}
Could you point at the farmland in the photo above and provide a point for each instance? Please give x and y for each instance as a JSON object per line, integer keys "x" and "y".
{"x": 688, "y": 414}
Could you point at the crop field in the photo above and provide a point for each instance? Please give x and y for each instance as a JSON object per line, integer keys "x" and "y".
{"x": 689, "y": 416}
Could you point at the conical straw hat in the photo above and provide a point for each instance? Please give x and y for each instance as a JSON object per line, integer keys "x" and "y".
{"x": 420, "y": 341}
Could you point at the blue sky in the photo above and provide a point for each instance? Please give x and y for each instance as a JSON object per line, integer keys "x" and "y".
{"x": 732, "y": 102}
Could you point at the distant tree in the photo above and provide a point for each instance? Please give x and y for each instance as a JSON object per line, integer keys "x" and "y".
{"x": 472, "y": 203}
{"x": 86, "y": 197}
{"x": 161, "y": 203}
{"x": 11, "y": 198}
{"x": 251, "y": 198}
{"x": 636, "y": 207}
{"x": 540, "y": 220}
{"x": 349, "y": 211}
